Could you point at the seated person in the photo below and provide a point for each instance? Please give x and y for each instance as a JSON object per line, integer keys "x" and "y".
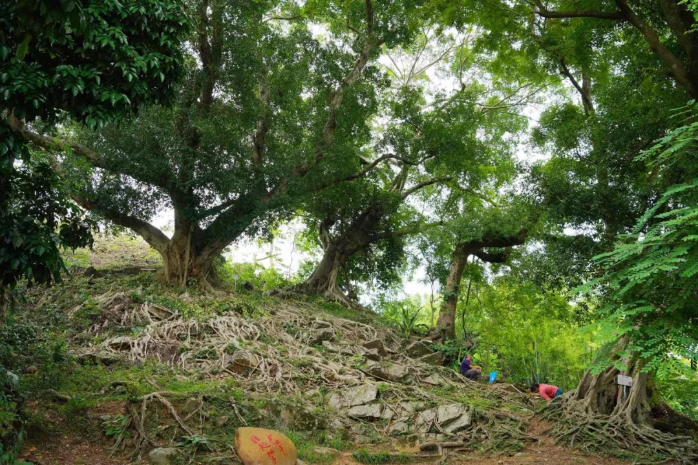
{"x": 468, "y": 370}
{"x": 546, "y": 391}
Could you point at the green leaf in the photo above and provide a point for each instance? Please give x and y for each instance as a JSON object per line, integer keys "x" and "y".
{"x": 23, "y": 48}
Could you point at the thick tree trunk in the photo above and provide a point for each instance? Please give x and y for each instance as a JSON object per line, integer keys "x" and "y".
{"x": 4, "y": 303}
{"x": 600, "y": 394}
{"x": 446, "y": 324}
{"x": 324, "y": 280}
{"x": 336, "y": 253}
{"x": 187, "y": 258}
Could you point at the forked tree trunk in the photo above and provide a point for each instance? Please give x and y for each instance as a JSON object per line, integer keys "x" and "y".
{"x": 324, "y": 280}
{"x": 184, "y": 265}
{"x": 337, "y": 251}
{"x": 446, "y": 325}
{"x": 187, "y": 258}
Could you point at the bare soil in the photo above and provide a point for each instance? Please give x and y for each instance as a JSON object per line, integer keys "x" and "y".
{"x": 59, "y": 448}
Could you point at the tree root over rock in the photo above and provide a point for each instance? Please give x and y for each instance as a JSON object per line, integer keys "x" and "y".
{"x": 595, "y": 433}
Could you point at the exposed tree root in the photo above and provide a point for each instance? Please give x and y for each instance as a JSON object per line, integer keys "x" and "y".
{"x": 331, "y": 293}
{"x": 601, "y": 433}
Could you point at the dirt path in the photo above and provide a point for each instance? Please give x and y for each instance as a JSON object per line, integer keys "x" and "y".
{"x": 59, "y": 449}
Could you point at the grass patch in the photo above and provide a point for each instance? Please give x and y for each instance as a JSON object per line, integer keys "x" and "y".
{"x": 305, "y": 445}
{"x": 365, "y": 456}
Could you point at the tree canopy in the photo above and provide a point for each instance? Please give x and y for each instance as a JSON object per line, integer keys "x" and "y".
{"x": 93, "y": 61}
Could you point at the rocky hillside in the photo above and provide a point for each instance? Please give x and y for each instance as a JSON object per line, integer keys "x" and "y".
{"x": 114, "y": 358}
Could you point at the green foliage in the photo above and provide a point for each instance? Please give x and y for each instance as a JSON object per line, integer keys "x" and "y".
{"x": 195, "y": 442}
{"x": 651, "y": 274}
{"x": 406, "y": 314}
{"x": 258, "y": 276}
{"x": 526, "y": 334}
{"x": 680, "y": 391}
{"x": 97, "y": 60}
{"x": 116, "y": 426}
{"x": 38, "y": 218}
{"x": 10, "y": 453}
{"x": 8, "y": 414}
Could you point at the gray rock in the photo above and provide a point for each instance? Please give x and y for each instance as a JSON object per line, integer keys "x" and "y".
{"x": 372, "y": 354}
{"x": 221, "y": 421}
{"x": 190, "y": 406}
{"x": 435, "y": 359}
{"x": 374, "y": 411}
{"x": 358, "y": 395}
{"x": 378, "y": 345}
{"x": 390, "y": 372}
{"x": 399, "y": 427}
{"x": 243, "y": 361}
{"x": 11, "y": 380}
{"x": 320, "y": 335}
{"x": 458, "y": 425}
{"x": 162, "y": 455}
{"x": 412, "y": 407}
{"x": 451, "y": 418}
{"x": 296, "y": 415}
{"x": 418, "y": 349}
{"x": 435, "y": 380}
{"x": 342, "y": 350}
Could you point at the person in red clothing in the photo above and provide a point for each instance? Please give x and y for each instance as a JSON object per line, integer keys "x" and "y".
{"x": 546, "y": 391}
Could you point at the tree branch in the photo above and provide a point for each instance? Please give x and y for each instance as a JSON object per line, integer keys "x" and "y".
{"x": 499, "y": 257}
{"x": 676, "y": 67}
{"x": 352, "y": 176}
{"x": 262, "y": 124}
{"x": 410, "y": 229}
{"x": 152, "y": 235}
{"x": 584, "y": 89}
{"x": 544, "y": 12}
{"x": 210, "y": 50}
{"x": 53, "y": 143}
{"x": 501, "y": 241}
{"x": 337, "y": 95}
{"x": 93, "y": 158}
{"x": 424, "y": 184}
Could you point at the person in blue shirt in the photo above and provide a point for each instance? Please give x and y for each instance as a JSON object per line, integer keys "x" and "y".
{"x": 469, "y": 370}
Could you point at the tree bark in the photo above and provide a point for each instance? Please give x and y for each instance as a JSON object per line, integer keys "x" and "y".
{"x": 446, "y": 324}
{"x": 325, "y": 277}
{"x": 4, "y": 303}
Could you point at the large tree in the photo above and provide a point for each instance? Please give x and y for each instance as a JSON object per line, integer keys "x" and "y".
{"x": 92, "y": 61}
{"x": 649, "y": 316}
{"x": 435, "y": 143}
{"x": 271, "y": 113}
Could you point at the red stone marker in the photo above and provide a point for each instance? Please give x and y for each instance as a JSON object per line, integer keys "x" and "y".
{"x": 258, "y": 446}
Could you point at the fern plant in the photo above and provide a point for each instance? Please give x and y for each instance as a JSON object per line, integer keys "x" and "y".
{"x": 651, "y": 278}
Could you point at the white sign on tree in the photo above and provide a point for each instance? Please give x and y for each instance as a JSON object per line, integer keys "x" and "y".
{"x": 624, "y": 380}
